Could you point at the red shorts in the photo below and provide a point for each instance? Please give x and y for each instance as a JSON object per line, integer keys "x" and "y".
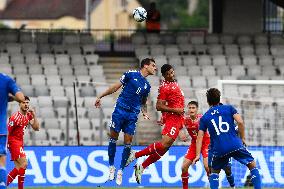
{"x": 191, "y": 152}
{"x": 16, "y": 149}
{"x": 172, "y": 125}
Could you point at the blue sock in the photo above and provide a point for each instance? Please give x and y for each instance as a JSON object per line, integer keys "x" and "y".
{"x": 214, "y": 181}
{"x": 255, "y": 178}
{"x": 125, "y": 155}
{"x": 231, "y": 180}
{"x": 111, "y": 151}
{"x": 3, "y": 177}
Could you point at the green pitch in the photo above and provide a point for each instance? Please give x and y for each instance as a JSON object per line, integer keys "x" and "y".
{"x": 118, "y": 187}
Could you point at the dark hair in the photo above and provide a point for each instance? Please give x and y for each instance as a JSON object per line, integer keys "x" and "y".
{"x": 27, "y": 98}
{"x": 193, "y": 103}
{"x": 213, "y": 96}
{"x": 146, "y": 61}
{"x": 165, "y": 68}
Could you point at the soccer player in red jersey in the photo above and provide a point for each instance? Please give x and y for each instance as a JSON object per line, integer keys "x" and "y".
{"x": 16, "y": 126}
{"x": 191, "y": 125}
{"x": 171, "y": 102}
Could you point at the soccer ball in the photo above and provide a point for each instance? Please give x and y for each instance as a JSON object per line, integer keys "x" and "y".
{"x": 139, "y": 14}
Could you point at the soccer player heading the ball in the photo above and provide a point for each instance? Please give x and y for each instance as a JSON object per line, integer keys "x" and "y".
{"x": 132, "y": 98}
{"x": 16, "y": 127}
{"x": 170, "y": 101}
{"x": 219, "y": 120}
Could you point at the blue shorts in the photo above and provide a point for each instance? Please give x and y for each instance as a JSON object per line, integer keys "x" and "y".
{"x": 242, "y": 155}
{"x": 210, "y": 156}
{"x": 123, "y": 119}
{"x": 3, "y": 145}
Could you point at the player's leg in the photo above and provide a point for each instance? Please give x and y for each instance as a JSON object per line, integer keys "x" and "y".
{"x": 206, "y": 167}
{"x": 111, "y": 152}
{"x": 244, "y": 157}
{"x": 21, "y": 164}
{"x": 216, "y": 165}
{"x": 229, "y": 175}
{"x": 157, "y": 150}
{"x": 184, "y": 172}
{"x": 125, "y": 155}
{"x": 115, "y": 127}
{"x": 3, "y": 152}
{"x": 12, "y": 175}
{"x": 187, "y": 161}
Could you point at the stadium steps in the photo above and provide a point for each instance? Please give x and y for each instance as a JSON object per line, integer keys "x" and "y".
{"x": 114, "y": 67}
{"x": 147, "y": 130}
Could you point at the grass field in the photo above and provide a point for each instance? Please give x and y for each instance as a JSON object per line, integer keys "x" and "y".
{"x": 120, "y": 188}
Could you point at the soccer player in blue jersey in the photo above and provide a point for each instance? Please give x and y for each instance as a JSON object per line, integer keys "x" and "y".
{"x": 219, "y": 120}
{"x": 9, "y": 91}
{"x": 132, "y": 98}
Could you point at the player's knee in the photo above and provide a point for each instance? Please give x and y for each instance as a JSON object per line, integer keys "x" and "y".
{"x": 24, "y": 164}
{"x": 251, "y": 165}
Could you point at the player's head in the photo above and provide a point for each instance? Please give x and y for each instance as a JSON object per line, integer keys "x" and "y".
{"x": 168, "y": 72}
{"x": 192, "y": 108}
{"x": 213, "y": 96}
{"x": 149, "y": 65}
{"x": 25, "y": 105}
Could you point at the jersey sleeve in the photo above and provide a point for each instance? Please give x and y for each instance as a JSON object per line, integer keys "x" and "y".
{"x": 162, "y": 93}
{"x": 13, "y": 87}
{"x": 125, "y": 78}
{"x": 233, "y": 110}
{"x": 202, "y": 125}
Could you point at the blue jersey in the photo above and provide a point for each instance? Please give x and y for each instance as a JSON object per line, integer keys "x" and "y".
{"x": 220, "y": 123}
{"x": 7, "y": 85}
{"x": 135, "y": 88}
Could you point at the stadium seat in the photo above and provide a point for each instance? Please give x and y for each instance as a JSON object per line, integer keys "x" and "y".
{"x": 179, "y": 71}
{"x": 20, "y": 69}
{"x": 233, "y": 60}
{"x": 244, "y": 39}
{"x": 197, "y": 39}
{"x": 208, "y": 70}
{"x": 71, "y": 38}
{"x": 182, "y": 38}
{"x": 32, "y": 59}
{"x": 62, "y": 60}
{"x": 94, "y": 113}
{"x": 249, "y": 60}
{"x": 81, "y": 70}
{"x": 199, "y": 49}
{"x": 51, "y": 123}
{"x": 189, "y": 61}
{"x": 231, "y": 49}
{"x": 61, "y": 101}
{"x": 86, "y": 38}
{"x": 29, "y": 48}
{"x": 44, "y": 101}
{"x": 28, "y": 90}
{"x": 73, "y": 49}
{"x": 138, "y": 38}
{"x": 246, "y": 50}
{"x": 276, "y": 39}
{"x": 57, "y": 91}
{"x": 212, "y": 39}
{"x": 38, "y": 79}
{"x": 47, "y": 59}
{"x": 6, "y": 68}
{"x": 168, "y": 38}
{"x": 87, "y": 91}
{"x": 89, "y": 49}
{"x": 23, "y": 79}
{"x": 26, "y": 37}
{"x": 279, "y": 61}
{"x": 65, "y": 71}
{"x": 194, "y": 71}
{"x": 260, "y": 39}
{"x": 152, "y": 38}
{"x": 199, "y": 82}
{"x": 14, "y": 48}
{"x": 262, "y": 50}
{"x": 77, "y": 59}
{"x": 175, "y": 60}
{"x": 55, "y": 137}
{"x": 41, "y": 138}
{"x": 85, "y": 124}
{"x": 268, "y": 70}
{"x": 157, "y": 50}
{"x": 184, "y": 81}
{"x": 92, "y": 59}
{"x": 171, "y": 50}
{"x": 43, "y": 48}
{"x": 227, "y": 39}
{"x": 212, "y": 81}
{"x": 186, "y": 49}
{"x": 41, "y": 37}
{"x": 219, "y": 60}
{"x": 223, "y": 70}
{"x": 265, "y": 60}
{"x": 67, "y": 80}
{"x": 50, "y": 69}
{"x": 215, "y": 49}
{"x": 17, "y": 59}
{"x": 204, "y": 60}
{"x": 238, "y": 70}
{"x": 254, "y": 70}
{"x": 87, "y": 137}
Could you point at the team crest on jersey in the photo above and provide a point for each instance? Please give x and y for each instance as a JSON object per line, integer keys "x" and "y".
{"x": 11, "y": 124}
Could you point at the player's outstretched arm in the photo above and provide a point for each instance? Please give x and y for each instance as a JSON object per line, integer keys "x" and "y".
{"x": 112, "y": 89}
{"x": 161, "y": 106}
{"x": 198, "y": 146}
{"x": 34, "y": 122}
{"x": 241, "y": 126}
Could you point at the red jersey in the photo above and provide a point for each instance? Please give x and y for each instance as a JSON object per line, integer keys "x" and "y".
{"x": 172, "y": 94}
{"x": 17, "y": 124}
{"x": 192, "y": 128}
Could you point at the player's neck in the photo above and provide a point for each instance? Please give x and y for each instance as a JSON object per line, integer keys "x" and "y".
{"x": 144, "y": 72}
{"x": 193, "y": 118}
{"x": 23, "y": 112}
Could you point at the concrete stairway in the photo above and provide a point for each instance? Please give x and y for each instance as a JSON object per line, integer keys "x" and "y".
{"x": 147, "y": 130}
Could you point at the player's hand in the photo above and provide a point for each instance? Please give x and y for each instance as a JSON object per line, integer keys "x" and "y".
{"x": 32, "y": 111}
{"x": 244, "y": 142}
{"x": 98, "y": 103}
{"x": 179, "y": 111}
{"x": 196, "y": 159}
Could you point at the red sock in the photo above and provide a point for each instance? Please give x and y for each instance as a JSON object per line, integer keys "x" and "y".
{"x": 21, "y": 178}
{"x": 11, "y": 176}
{"x": 153, "y": 158}
{"x": 152, "y": 148}
{"x": 184, "y": 180}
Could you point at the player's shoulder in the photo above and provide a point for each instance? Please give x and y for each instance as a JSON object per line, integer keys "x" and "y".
{"x": 14, "y": 115}
{"x": 132, "y": 72}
